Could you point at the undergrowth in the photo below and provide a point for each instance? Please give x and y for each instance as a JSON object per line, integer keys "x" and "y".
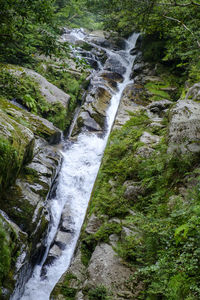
{"x": 165, "y": 251}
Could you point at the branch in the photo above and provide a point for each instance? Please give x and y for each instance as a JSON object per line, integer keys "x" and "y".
{"x": 188, "y": 29}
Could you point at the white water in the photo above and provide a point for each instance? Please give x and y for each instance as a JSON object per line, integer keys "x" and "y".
{"x": 77, "y": 176}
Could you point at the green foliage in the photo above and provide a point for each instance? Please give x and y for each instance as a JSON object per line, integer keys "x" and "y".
{"x": 89, "y": 242}
{"x": 156, "y": 89}
{"x": 66, "y": 290}
{"x": 119, "y": 165}
{"x": 26, "y": 91}
{"x": 98, "y": 293}
{"x": 9, "y": 164}
{"x": 164, "y": 249}
{"x": 5, "y": 253}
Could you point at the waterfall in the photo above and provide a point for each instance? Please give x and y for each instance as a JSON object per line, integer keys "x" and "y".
{"x": 81, "y": 162}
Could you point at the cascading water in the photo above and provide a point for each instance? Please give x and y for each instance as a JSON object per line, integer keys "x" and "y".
{"x": 81, "y": 162}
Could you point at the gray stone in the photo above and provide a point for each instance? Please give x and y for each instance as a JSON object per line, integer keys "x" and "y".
{"x": 133, "y": 190}
{"x": 93, "y": 224}
{"x": 51, "y": 93}
{"x": 184, "y": 127}
{"x": 159, "y": 106}
{"x": 106, "y": 268}
{"x": 194, "y": 92}
{"x": 144, "y": 151}
{"x": 149, "y": 139}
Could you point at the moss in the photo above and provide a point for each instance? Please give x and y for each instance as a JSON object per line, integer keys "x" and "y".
{"x": 90, "y": 241}
{"x": 165, "y": 239}
{"x": 8, "y": 254}
{"x": 9, "y": 163}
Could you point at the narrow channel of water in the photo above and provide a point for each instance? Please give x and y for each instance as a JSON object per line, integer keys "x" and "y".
{"x": 81, "y": 163}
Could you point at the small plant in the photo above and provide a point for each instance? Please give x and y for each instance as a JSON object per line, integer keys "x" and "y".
{"x": 98, "y": 293}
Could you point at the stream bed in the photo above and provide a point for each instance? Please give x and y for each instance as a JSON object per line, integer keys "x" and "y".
{"x": 81, "y": 161}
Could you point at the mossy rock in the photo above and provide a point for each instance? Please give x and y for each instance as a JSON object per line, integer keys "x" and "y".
{"x": 39, "y": 126}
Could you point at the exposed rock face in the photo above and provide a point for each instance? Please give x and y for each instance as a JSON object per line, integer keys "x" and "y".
{"x": 159, "y": 106}
{"x": 184, "y": 127}
{"x": 107, "y": 269}
{"x": 51, "y": 93}
{"x": 24, "y": 202}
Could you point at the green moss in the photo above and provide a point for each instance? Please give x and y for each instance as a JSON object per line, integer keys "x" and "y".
{"x": 8, "y": 255}
{"x": 164, "y": 248}
{"x": 98, "y": 293}
{"x": 66, "y": 289}
{"x": 90, "y": 241}
{"x": 9, "y": 163}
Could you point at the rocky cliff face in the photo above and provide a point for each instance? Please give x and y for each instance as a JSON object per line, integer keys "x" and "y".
{"x": 29, "y": 166}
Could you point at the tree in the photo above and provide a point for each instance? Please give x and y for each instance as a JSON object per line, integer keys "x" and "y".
{"x": 26, "y": 27}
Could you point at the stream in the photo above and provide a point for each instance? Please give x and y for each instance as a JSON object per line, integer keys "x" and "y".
{"x": 81, "y": 162}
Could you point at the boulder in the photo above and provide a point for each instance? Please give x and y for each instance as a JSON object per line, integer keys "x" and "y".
{"x": 144, "y": 151}
{"x": 30, "y": 122}
{"x": 184, "y": 127}
{"x": 51, "y": 93}
{"x": 106, "y": 268}
{"x": 159, "y": 106}
{"x": 133, "y": 190}
{"x": 93, "y": 224}
{"x": 114, "y": 65}
{"x": 194, "y": 92}
{"x": 148, "y": 139}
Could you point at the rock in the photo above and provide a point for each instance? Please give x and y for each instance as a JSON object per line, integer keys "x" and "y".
{"x": 127, "y": 105}
{"x": 159, "y": 106}
{"x": 79, "y": 296}
{"x": 113, "y": 239}
{"x": 28, "y": 121}
{"x": 25, "y": 202}
{"x": 112, "y": 76}
{"x": 93, "y": 224}
{"x": 85, "y": 119}
{"x": 93, "y": 113}
{"x": 51, "y": 93}
{"x": 194, "y": 92}
{"x": 106, "y": 268}
{"x": 134, "y": 51}
{"x": 144, "y": 151}
{"x": 184, "y": 127}
{"x": 133, "y": 190}
{"x": 114, "y": 65}
{"x": 148, "y": 138}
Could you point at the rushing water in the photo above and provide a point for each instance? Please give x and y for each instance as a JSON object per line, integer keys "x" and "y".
{"x": 81, "y": 162}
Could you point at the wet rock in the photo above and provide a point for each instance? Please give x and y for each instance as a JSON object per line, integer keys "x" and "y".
{"x": 112, "y": 76}
{"x": 184, "y": 127}
{"x": 134, "y": 51}
{"x": 93, "y": 113}
{"x": 114, "y": 65}
{"x": 133, "y": 190}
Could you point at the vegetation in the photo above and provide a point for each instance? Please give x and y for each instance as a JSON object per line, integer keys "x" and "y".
{"x": 9, "y": 163}
{"x": 165, "y": 250}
